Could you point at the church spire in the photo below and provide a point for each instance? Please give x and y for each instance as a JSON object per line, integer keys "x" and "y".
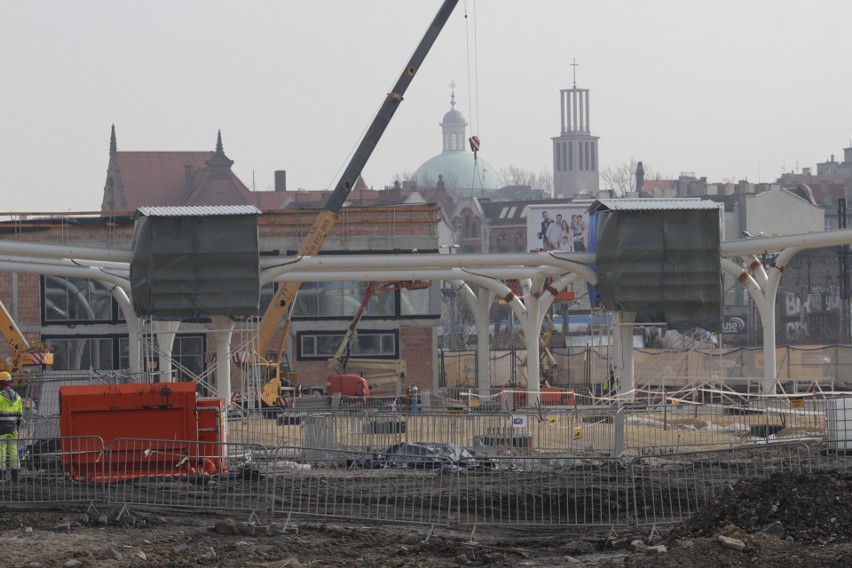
{"x": 219, "y": 164}
{"x": 113, "y": 146}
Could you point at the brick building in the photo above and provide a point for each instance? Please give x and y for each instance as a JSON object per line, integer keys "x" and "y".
{"x": 88, "y": 330}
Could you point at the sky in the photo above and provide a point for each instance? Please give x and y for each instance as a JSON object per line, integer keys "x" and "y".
{"x": 727, "y": 89}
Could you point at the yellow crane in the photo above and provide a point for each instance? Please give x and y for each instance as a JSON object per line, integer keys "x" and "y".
{"x": 279, "y": 309}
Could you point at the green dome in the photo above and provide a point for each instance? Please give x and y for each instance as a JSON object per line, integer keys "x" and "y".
{"x": 458, "y": 171}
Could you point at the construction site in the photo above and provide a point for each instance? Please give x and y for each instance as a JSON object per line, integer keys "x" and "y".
{"x": 236, "y": 426}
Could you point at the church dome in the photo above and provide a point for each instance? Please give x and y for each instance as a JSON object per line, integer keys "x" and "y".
{"x": 458, "y": 171}
{"x": 456, "y": 168}
{"x": 454, "y": 117}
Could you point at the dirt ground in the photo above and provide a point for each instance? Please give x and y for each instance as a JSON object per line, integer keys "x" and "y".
{"x": 790, "y": 520}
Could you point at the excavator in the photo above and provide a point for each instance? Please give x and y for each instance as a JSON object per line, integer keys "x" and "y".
{"x": 279, "y": 309}
{"x": 22, "y": 353}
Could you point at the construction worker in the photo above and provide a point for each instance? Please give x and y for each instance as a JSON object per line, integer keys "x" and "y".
{"x": 413, "y": 391}
{"x": 11, "y": 414}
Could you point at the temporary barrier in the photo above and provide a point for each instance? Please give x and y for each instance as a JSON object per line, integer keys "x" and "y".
{"x": 672, "y": 488}
{"x": 186, "y": 474}
{"x": 40, "y": 471}
{"x": 426, "y": 484}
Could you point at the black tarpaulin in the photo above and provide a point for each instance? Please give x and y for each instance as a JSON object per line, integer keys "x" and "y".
{"x": 185, "y": 267}
{"x": 662, "y": 262}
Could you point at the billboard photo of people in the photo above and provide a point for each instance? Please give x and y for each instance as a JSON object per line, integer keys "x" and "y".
{"x": 558, "y": 228}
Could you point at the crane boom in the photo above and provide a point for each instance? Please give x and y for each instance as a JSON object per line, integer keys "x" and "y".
{"x": 283, "y": 299}
{"x": 22, "y": 353}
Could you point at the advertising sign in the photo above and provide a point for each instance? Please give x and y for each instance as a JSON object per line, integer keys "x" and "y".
{"x": 558, "y": 227}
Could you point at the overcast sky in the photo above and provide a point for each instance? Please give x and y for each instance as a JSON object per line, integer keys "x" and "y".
{"x": 725, "y": 89}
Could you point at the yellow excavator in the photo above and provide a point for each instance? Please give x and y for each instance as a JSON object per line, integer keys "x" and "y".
{"x": 279, "y": 309}
{"x": 23, "y": 355}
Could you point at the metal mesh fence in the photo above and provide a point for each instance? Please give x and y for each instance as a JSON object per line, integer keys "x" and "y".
{"x": 36, "y": 472}
{"x": 659, "y": 425}
{"x": 672, "y": 488}
{"x": 401, "y": 484}
{"x": 191, "y": 475}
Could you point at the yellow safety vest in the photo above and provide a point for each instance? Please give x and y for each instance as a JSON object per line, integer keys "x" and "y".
{"x": 11, "y": 411}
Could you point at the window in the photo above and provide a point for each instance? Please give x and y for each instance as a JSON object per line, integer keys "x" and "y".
{"x": 123, "y": 353}
{"x": 340, "y": 299}
{"x": 188, "y": 356}
{"x": 77, "y": 300}
{"x": 113, "y": 352}
{"x": 414, "y": 302}
{"x": 370, "y": 344}
{"x": 82, "y": 353}
{"x": 373, "y": 345}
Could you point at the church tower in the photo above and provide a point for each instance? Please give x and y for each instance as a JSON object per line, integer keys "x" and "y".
{"x": 575, "y": 150}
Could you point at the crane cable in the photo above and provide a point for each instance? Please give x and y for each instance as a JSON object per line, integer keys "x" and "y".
{"x": 471, "y": 87}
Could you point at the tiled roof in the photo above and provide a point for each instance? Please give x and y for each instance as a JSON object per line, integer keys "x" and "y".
{"x": 157, "y": 178}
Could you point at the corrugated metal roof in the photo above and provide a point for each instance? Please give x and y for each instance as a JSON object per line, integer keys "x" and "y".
{"x": 198, "y": 211}
{"x": 653, "y": 204}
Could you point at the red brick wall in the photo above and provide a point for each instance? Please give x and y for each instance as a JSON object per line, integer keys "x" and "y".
{"x": 416, "y": 351}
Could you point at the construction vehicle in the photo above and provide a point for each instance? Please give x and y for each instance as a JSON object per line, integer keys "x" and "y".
{"x": 373, "y": 372}
{"x": 23, "y": 355}
{"x": 281, "y": 304}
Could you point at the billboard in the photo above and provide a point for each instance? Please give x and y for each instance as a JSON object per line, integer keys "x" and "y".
{"x": 560, "y": 227}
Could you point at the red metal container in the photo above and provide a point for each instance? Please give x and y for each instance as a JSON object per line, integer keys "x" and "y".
{"x": 131, "y": 414}
{"x": 212, "y": 417}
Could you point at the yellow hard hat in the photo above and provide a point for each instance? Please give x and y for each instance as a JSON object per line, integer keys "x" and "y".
{"x": 4, "y": 376}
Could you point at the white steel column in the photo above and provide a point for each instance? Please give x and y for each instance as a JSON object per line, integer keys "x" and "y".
{"x": 133, "y": 347}
{"x": 224, "y": 326}
{"x": 532, "y": 336}
{"x": 483, "y": 341}
{"x": 622, "y": 339}
{"x": 165, "y": 331}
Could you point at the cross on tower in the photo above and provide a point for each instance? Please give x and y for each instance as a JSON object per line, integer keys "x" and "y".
{"x": 574, "y": 64}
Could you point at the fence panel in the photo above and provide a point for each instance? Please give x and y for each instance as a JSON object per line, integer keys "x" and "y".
{"x": 42, "y": 465}
{"x": 357, "y": 485}
{"x": 672, "y": 488}
{"x": 536, "y": 491}
{"x": 194, "y": 475}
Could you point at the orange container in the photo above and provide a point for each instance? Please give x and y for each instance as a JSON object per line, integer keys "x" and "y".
{"x": 212, "y": 415}
{"x": 548, "y": 396}
{"x": 153, "y": 411}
